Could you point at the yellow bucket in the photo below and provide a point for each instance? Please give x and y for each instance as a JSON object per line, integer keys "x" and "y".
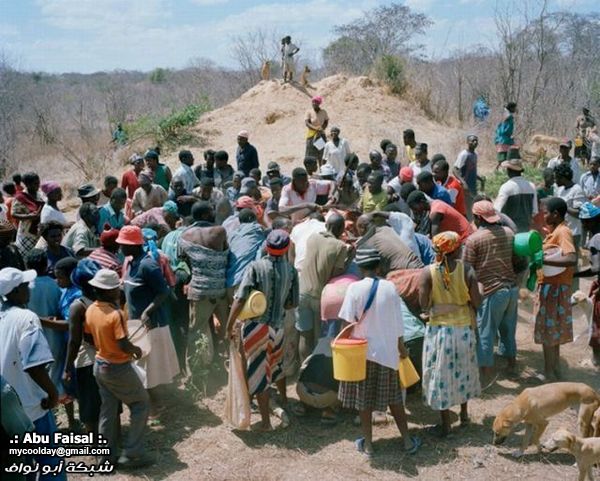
{"x": 255, "y": 306}
{"x": 407, "y": 372}
{"x": 349, "y": 358}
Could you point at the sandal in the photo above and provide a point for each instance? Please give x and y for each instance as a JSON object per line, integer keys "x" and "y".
{"x": 328, "y": 419}
{"x": 360, "y": 447}
{"x": 299, "y": 409}
{"x": 417, "y": 443}
{"x": 439, "y": 431}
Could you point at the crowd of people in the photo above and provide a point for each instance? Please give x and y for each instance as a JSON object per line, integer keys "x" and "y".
{"x": 404, "y": 246}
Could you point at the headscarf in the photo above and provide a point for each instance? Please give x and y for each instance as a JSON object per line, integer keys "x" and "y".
{"x": 109, "y": 237}
{"x": 147, "y": 175}
{"x": 49, "y": 186}
{"x": 150, "y": 238}
{"x": 589, "y": 211}
{"x": 170, "y": 207}
{"x": 317, "y": 99}
{"x": 445, "y": 243}
{"x": 245, "y": 202}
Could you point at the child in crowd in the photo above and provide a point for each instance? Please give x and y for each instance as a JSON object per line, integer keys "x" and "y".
{"x": 552, "y": 309}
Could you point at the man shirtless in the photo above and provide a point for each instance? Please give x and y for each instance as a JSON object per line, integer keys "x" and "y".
{"x": 204, "y": 248}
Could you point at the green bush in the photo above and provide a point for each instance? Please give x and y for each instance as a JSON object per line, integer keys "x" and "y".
{"x": 158, "y": 75}
{"x": 171, "y": 131}
{"x": 497, "y": 178}
{"x": 391, "y": 70}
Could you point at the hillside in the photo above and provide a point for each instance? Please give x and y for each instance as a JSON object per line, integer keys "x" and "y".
{"x": 273, "y": 113}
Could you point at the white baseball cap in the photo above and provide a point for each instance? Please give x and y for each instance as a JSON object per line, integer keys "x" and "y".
{"x": 106, "y": 279}
{"x": 11, "y": 278}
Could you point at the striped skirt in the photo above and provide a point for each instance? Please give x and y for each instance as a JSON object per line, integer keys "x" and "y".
{"x": 263, "y": 350}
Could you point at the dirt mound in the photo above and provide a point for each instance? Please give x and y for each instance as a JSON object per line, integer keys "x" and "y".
{"x": 274, "y": 113}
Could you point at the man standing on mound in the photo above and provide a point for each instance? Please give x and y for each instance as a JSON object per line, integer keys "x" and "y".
{"x": 288, "y": 50}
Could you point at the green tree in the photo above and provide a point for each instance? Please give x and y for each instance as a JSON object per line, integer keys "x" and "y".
{"x": 158, "y": 75}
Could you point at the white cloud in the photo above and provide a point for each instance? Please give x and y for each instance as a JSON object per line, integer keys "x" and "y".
{"x": 102, "y": 14}
{"x": 205, "y": 3}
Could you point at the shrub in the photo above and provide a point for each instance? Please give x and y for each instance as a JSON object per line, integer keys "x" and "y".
{"x": 390, "y": 69}
{"x": 498, "y": 177}
{"x": 158, "y": 75}
{"x": 171, "y": 131}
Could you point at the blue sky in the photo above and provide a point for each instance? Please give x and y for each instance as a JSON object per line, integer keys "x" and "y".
{"x": 92, "y": 35}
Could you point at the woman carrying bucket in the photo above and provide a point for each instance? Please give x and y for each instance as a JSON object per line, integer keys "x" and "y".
{"x": 372, "y": 312}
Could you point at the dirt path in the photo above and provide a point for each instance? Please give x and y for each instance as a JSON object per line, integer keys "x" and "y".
{"x": 194, "y": 443}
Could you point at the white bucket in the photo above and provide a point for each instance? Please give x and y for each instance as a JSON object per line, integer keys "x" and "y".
{"x": 552, "y": 254}
{"x": 138, "y": 336}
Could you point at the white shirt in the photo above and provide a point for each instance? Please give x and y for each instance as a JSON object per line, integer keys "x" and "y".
{"x": 515, "y": 186}
{"x": 574, "y": 164}
{"x": 50, "y": 213}
{"x": 186, "y": 174}
{"x": 300, "y": 234}
{"x": 382, "y": 325}
{"x": 335, "y": 156}
{"x": 575, "y": 198}
{"x": 23, "y": 346}
{"x": 290, "y": 198}
{"x": 417, "y": 169}
{"x": 395, "y": 184}
{"x": 404, "y": 226}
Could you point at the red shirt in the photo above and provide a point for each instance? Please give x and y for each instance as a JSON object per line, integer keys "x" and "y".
{"x": 457, "y": 194}
{"x": 452, "y": 220}
{"x": 129, "y": 182}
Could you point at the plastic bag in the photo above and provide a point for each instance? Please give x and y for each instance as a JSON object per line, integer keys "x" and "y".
{"x": 237, "y": 405}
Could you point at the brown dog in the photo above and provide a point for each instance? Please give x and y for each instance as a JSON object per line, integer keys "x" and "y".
{"x": 586, "y": 451}
{"x": 304, "y": 77}
{"x": 536, "y": 404}
{"x": 265, "y": 70}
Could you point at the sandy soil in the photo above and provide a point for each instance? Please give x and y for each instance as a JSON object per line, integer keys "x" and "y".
{"x": 193, "y": 441}
{"x": 273, "y": 113}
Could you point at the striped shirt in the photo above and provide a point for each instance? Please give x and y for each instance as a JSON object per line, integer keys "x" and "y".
{"x": 106, "y": 259}
{"x": 277, "y": 279}
{"x": 489, "y": 250}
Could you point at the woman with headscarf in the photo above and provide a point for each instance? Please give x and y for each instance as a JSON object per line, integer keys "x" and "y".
{"x": 590, "y": 219}
{"x": 79, "y": 367}
{"x": 449, "y": 290}
{"x": 316, "y": 120}
{"x": 50, "y": 211}
{"x": 27, "y": 208}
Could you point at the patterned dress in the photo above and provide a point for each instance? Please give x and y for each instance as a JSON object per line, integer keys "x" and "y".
{"x": 450, "y": 371}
